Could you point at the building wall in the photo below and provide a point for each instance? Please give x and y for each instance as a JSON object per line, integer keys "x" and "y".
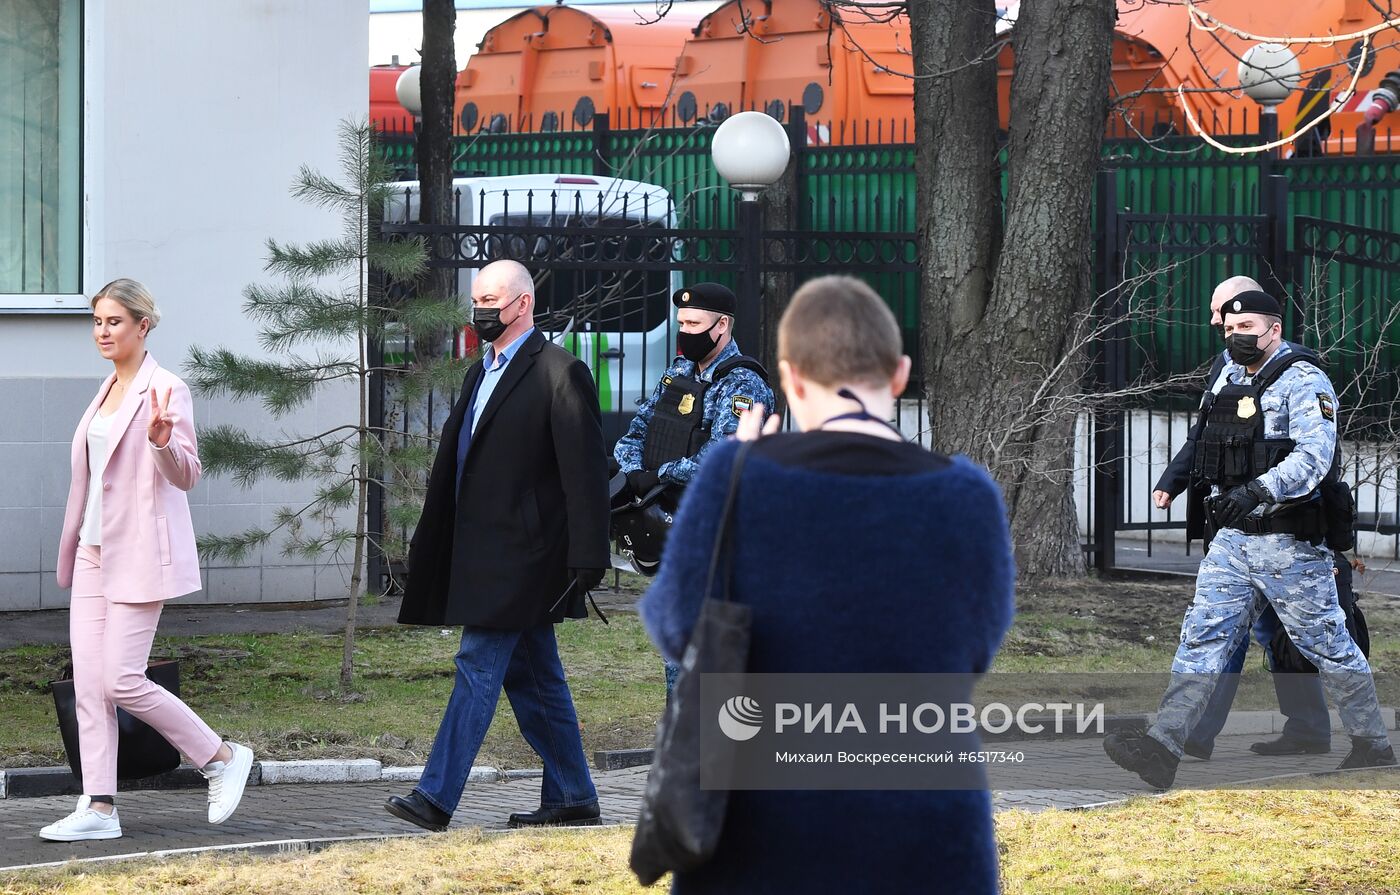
{"x": 200, "y": 115}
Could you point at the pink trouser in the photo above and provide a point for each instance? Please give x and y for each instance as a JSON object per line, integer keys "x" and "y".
{"x": 111, "y": 648}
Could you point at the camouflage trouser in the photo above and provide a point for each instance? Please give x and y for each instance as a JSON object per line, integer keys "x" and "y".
{"x": 1238, "y": 574}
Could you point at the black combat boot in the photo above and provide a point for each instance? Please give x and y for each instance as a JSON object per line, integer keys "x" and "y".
{"x": 1367, "y": 753}
{"x": 1144, "y": 756}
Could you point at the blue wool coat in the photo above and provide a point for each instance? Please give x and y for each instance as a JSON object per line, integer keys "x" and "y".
{"x": 857, "y": 574}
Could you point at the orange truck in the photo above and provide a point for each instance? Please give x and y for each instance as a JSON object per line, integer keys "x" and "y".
{"x": 850, "y": 74}
{"x": 553, "y": 68}
{"x": 385, "y": 113}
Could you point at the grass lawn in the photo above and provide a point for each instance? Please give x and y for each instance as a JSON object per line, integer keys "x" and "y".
{"x": 279, "y": 692}
{"x": 1188, "y": 843}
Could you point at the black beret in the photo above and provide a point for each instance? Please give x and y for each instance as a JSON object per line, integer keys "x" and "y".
{"x": 707, "y": 297}
{"x": 1252, "y": 302}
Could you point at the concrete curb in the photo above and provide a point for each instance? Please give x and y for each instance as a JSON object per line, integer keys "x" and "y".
{"x": 34, "y": 783}
{"x": 621, "y": 759}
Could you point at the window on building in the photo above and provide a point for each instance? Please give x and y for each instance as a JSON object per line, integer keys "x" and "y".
{"x": 40, "y": 151}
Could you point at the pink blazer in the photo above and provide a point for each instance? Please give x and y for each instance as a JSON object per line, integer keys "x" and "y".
{"x": 148, "y": 549}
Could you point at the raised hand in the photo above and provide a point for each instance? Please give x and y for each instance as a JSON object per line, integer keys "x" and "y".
{"x": 162, "y": 420}
{"x": 753, "y": 426}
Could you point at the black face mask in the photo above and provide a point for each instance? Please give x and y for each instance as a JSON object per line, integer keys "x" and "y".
{"x": 695, "y": 347}
{"x": 487, "y": 323}
{"x": 1244, "y": 348}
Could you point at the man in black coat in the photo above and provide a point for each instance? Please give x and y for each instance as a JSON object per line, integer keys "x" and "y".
{"x": 514, "y": 532}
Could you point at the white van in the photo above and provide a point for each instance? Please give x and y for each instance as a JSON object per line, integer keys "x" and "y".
{"x": 611, "y": 313}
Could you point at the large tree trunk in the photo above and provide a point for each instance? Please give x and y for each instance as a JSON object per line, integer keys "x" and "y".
{"x": 434, "y": 149}
{"x": 1003, "y": 369}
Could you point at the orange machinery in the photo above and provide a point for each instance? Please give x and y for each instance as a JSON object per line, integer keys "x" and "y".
{"x": 385, "y": 113}
{"x": 850, "y": 73}
{"x": 1327, "y": 69}
{"x": 553, "y": 67}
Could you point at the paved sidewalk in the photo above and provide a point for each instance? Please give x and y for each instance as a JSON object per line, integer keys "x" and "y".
{"x": 159, "y": 821}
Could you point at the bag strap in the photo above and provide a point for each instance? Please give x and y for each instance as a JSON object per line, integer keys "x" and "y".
{"x": 726, "y": 524}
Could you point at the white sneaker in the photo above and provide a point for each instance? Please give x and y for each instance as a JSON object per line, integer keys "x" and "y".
{"x": 226, "y": 782}
{"x": 84, "y": 824}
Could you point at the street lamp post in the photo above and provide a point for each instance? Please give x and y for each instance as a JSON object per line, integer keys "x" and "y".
{"x": 1268, "y": 74}
{"x": 750, "y": 151}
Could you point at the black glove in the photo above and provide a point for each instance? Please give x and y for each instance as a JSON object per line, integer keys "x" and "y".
{"x": 587, "y": 579}
{"x": 1239, "y": 502}
{"x": 641, "y": 481}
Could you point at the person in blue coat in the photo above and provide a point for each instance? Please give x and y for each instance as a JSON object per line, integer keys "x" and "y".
{"x": 857, "y": 552}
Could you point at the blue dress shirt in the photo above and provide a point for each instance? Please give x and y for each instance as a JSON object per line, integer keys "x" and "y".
{"x": 495, "y": 364}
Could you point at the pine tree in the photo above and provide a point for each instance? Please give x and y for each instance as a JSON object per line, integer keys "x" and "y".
{"x": 317, "y": 327}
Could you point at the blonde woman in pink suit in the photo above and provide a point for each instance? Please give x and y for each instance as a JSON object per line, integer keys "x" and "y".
{"x": 127, "y": 547}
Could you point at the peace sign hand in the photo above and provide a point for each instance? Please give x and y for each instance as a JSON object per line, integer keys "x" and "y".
{"x": 162, "y": 420}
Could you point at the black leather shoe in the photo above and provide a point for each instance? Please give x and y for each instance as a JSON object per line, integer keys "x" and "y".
{"x": 1287, "y": 745}
{"x": 1197, "y": 751}
{"x": 1144, "y": 756}
{"x": 578, "y": 816}
{"x": 417, "y": 810}
{"x": 1367, "y": 754}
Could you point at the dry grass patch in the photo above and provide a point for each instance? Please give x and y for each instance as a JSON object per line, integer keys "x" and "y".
{"x": 1188, "y": 843}
{"x": 1245, "y": 842}
{"x": 540, "y": 863}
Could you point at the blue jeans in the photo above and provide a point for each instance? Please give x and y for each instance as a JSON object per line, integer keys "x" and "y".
{"x": 527, "y": 664}
{"x": 1300, "y": 697}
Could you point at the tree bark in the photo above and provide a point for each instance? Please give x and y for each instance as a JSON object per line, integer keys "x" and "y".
{"x": 434, "y": 149}
{"x": 958, "y": 220}
{"x": 1002, "y": 372}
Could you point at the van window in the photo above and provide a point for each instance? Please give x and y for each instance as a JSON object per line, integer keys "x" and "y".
{"x": 628, "y": 289}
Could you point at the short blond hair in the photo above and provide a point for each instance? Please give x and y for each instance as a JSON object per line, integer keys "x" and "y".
{"x": 837, "y": 330}
{"x": 133, "y": 296}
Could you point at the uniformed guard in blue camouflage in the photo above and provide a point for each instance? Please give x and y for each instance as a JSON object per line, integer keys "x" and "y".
{"x": 722, "y": 402}
{"x": 1268, "y": 544}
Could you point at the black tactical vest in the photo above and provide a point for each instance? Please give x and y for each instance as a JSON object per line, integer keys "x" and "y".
{"x": 1232, "y": 448}
{"x": 678, "y": 428}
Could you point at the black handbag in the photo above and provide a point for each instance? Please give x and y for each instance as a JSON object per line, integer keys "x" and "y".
{"x": 141, "y": 752}
{"x": 679, "y": 825}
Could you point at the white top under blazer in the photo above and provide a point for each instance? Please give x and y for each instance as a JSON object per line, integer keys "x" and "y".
{"x": 90, "y": 535}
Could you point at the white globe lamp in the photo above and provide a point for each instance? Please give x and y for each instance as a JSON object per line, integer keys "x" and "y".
{"x": 1269, "y": 73}
{"x": 751, "y": 151}
{"x": 407, "y": 89}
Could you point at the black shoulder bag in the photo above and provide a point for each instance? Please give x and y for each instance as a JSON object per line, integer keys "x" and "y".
{"x": 679, "y": 825}
{"x": 141, "y": 752}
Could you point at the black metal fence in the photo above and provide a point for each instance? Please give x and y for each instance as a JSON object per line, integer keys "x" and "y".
{"x": 608, "y": 254}
{"x": 607, "y": 257}
{"x": 1341, "y": 283}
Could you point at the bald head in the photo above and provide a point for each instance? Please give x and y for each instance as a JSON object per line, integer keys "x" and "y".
{"x": 507, "y": 287}
{"x": 509, "y": 277}
{"x": 1227, "y": 290}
